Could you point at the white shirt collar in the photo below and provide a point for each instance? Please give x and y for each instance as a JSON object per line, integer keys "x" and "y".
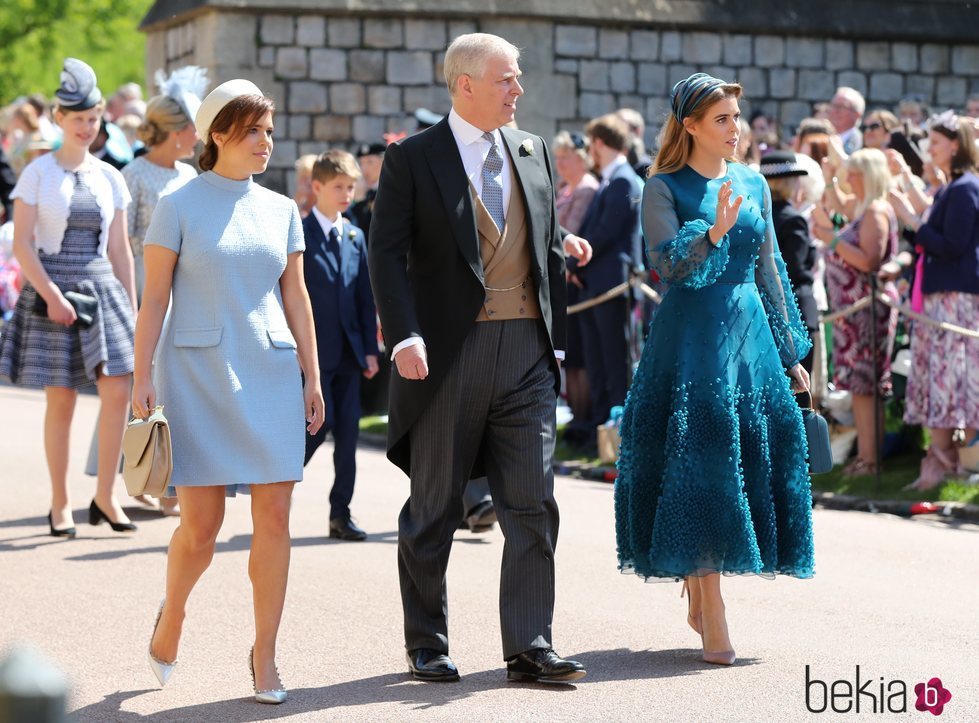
{"x": 473, "y": 150}
{"x": 326, "y": 224}
{"x": 466, "y": 132}
{"x": 611, "y": 167}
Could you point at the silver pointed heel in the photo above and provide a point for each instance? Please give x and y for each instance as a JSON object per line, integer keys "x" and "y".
{"x": 271, "y": 697}
{"x": 161, "y": 669}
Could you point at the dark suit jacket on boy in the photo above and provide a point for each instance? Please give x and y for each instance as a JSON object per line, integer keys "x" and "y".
{"x": 342, "y": 301}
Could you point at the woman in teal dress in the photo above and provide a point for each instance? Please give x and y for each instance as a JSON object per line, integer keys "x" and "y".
{"x": 713, "y": 477}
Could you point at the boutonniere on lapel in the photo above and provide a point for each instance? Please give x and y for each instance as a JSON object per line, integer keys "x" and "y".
{"x": 351, "y": 234}
{"x": 527, "y": 148}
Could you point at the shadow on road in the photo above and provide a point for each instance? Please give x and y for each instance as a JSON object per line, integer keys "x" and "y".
{"x": 387, "y": 688}
{"x": 626, "y": 664}
{"x": 603, "y": 665}
{"x": 238, "y": 543}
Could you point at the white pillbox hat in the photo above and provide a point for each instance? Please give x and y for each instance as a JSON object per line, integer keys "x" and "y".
{"x": 217, "y": 99}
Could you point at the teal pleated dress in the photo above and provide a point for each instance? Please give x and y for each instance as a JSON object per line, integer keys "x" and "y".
{"x": 713, "y": 473}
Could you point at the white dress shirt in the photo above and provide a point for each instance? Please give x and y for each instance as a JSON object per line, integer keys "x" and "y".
{"x": 473, "y": 149}
{"x": 612, "y": 168}
{"x": 326, "y": 224}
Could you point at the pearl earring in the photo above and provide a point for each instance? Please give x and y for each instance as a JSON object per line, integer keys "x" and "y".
{"x": 178, "y": 145}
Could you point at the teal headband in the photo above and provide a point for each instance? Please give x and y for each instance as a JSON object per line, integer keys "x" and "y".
{"x": 688, "y": 94}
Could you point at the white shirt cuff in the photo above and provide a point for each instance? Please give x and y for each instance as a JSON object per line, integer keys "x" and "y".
{"x": 410, "y": 341}
{"x": 559, "y": 354}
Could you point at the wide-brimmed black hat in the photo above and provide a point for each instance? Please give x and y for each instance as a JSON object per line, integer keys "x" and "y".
{"x": 370, "y": 149}
{"x": 79, "y": 89}
{"x": 780, "y": 164}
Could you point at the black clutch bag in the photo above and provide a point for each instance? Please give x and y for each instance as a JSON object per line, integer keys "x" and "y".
{"x": 817, "y": 435}
{"x": 84, "y": 305}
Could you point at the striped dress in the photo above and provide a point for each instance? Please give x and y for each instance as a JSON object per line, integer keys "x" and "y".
{"x": 34, "y": 351}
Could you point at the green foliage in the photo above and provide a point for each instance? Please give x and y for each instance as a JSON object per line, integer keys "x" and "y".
{"x": 36, "y": 35}
{"x": 374, "y": 425}
{"x": 897, "y": 472}
{"x": 959, "y": 492}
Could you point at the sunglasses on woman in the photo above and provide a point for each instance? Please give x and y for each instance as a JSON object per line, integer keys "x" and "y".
{"x": 875, "y": 126}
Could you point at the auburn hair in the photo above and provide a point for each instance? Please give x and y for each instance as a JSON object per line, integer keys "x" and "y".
{"x": 675, "y": 143}
{"x": 234, "y": 120}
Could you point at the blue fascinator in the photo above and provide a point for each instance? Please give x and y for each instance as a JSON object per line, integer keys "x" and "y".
{"x": 691, "y": 92}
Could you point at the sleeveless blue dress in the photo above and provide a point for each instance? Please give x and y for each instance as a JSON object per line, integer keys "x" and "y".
{"x": 712, "y": 472}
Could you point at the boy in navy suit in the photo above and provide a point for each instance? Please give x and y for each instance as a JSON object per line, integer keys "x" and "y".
{"x": 335, "y": 267}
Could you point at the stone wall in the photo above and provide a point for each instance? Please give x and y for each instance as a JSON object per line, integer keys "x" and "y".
{"x": 343, "y": 79}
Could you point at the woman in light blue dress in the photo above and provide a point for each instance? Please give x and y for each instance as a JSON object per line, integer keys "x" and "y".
{"x": 713, "y": 477}
{"x": 228, "y": 364}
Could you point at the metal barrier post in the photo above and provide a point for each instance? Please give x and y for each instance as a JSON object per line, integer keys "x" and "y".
{"x": 878, "y": 407}
{"x": 31, "y": 688}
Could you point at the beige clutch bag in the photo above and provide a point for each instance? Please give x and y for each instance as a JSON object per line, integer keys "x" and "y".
{"x": 148, "y": 455}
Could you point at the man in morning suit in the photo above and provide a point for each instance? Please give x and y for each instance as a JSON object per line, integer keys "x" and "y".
{"x": 335, "y": 268}
{"x": 467, "y": 265}
{"x": 611, "y": 225}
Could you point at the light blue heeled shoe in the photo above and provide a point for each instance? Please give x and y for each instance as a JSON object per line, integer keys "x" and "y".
{"x": 271, "y": 697}
{"x": 161, "y": 669}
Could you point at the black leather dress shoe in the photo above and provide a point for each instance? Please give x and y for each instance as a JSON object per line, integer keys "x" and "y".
{"x": 344, "y": 528}
{"x": 482, "y": 517}
{"x": 431, "y": 665}
{"x": 542, "y": 665}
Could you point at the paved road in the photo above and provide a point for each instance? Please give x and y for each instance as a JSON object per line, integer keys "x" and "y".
{"x": 899, "y": 598}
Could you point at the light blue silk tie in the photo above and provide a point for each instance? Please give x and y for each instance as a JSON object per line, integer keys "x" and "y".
{"x": 492, "y": 195}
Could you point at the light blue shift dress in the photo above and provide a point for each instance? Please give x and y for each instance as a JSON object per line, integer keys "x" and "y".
{"x": 226, "y": 368}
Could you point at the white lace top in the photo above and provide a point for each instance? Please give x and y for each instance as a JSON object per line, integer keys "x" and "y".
{"x": 45, "y": 184}
{"x": 147, "y": 183}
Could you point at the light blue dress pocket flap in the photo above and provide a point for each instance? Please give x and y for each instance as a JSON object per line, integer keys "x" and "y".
{"x": 197, "y": 337}
{"x": 282, "y": 338}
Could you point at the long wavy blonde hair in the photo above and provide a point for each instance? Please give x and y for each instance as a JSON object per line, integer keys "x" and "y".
{"x": 871, "y": 164}
{"x": 675, "y": 144}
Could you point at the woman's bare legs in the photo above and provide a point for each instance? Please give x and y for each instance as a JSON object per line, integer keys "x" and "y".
{"x": 57, "y": 428}
{"x": 694, "y": 608}
{"x": 942, "y": 438}
{"x": 863, "y": 418}
{"x": 268, "y": 568}
{"x": 114, "y": 393}
{"x": 190, "y": 553}
{"x": 716, "y": 638}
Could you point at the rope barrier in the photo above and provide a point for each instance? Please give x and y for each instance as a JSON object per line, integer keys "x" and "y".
{"x": 607, "y": 296}
{"x": 904, "y": 309}
{"x": 634, "y": 282}
{"x": 830, "y": 318}
{"x": 943, "y": 325}
{"x": 637, "y": 282}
